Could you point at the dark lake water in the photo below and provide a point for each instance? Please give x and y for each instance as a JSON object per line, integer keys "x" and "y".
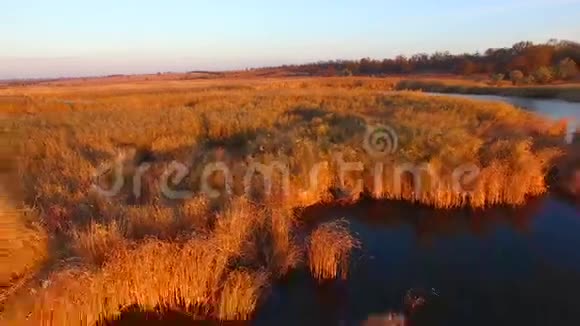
{"x": 496, "y": 267}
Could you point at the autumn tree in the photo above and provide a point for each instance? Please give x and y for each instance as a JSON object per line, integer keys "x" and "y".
{"x": 539, "y": 56}
{"x": 567, "y": 69}
{"x": 516, "y": 77}
{"x": 543, "y": 75}
{"x": 520, "y": 63}
{"x": 526, "y": 57}
{"x": 497, "y": 78}
{"x": 466, "y": 67}
{"x": 331, "y": 71}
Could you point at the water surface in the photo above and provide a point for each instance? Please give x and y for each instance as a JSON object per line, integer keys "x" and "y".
{"x": 552, "y": 108}
{"x": 495, "y": 267}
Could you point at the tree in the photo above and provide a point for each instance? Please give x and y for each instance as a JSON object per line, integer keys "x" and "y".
{"x": 543, "y": 75}
{"x": 539, "y": 56}
{"x": 497, "y": 78}
{"x": 466, "y": 67}
{"x": 567, "y": 69}
{"x": 526, "y": 57}
{"x": 353, "y": 67}
{"x": 405, "y": 66}
{"x": 519, "y": 63}
{"x": 522, "y": 46}
{"x": 346, "y": 72}
{"x": 516, "y": 77}
{"x": 330, "y": 71}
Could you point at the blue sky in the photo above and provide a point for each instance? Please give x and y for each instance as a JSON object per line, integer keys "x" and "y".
{"x": 77, "y": 38}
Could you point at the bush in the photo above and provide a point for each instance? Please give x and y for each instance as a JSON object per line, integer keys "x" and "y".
{"x": 516, "y": 76}
{"x": 346, "y": 72}
{"x": 529, "y": 80}
{"x": 543, "y": 75}
{"x": 497, "y": 78}
{"x": 567, "y": 69}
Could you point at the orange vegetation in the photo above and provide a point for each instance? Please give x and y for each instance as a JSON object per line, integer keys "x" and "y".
{"x": 214, "y": 256}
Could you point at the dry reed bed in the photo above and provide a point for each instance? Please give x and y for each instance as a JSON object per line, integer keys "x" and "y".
{"x": 219, "y": 275}
{"x": 329, "y": 249}
{"x": 22, "y": 248}
{"x": 301, "y": 130}
{"x": 216, "y": 256}
{"x": 23, "y": 242}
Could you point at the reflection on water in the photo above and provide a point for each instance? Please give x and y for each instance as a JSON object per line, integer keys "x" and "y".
{"x": 500, "y": 266}
{"x": 552, "y": 108}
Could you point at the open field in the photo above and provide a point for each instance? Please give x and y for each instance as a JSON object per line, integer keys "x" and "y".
{"x": 278, "y": 77}
{"x": 213, "y": 171}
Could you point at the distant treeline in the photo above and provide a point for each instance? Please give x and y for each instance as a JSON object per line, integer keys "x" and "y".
{"x": 524, "y": 57}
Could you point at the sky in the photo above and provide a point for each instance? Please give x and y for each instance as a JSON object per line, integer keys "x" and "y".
{"x": 41, "y": 38}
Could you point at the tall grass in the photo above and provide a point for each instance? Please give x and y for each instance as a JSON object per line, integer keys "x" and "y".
{"x": 329, "y": 249}
{"x": 97, "y": 242}
{"x": 217, "y": 275}
{"x": 23, "y": 242}
{"x": 240, "y": 295}
{"x": 23, "y": 246}
{"x": 214, "y": 256}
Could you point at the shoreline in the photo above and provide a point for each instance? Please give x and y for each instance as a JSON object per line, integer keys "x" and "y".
{"x": 565, "y": 93}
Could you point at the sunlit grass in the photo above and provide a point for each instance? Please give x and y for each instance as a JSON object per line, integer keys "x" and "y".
{"x": 329, "y": 250}
{"x": 215, "y": 256}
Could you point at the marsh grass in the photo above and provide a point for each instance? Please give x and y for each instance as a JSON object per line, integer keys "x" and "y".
{"x": 218, "y": 275}
{"x": 23, "y": 241}
{"x": 240, "y": 295}
{"x": 216, "y": 256}
{"x": 329, "y": 249}
{"x": 23, "y": 246}
{"x": 97, "y": 242}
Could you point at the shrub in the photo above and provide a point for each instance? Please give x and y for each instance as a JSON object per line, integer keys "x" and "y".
{"x": 516, "y": 76}
{"x": 543, "y": 75}
{"x": 497, "y": 78}
{"x": 346, "y": 72}
{"x": 529, "y": 80}
{"x": 567, "y": 69}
